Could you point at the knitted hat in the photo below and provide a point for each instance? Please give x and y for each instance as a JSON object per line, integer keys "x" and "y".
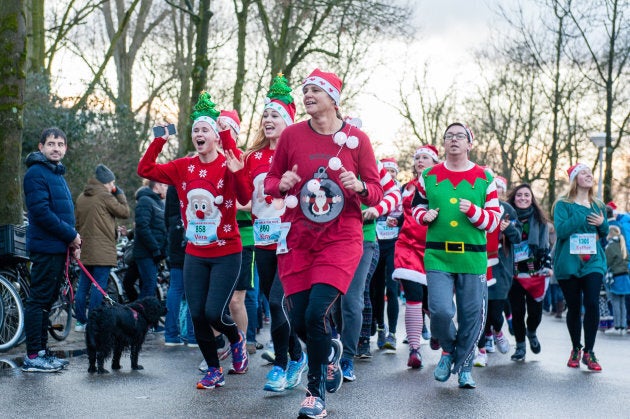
{"x": 390, "y": 163}
{"x": 204, "y": 111}
{"x": 612, "y": 205}
{"x": 231, "y": 118}
{"x": 103, "y": 174}
{"x": 501, "y": 182}
{"x": 429, "y": 150}
{"x": 469, "y": 132}
{"x": 575, "y": 169}
{"x": 329, "y": 82}
{"x": 279, "y": 99}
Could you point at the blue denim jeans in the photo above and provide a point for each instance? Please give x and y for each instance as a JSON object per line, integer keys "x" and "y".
{"x": 251, "y": 305}
{"x": 148, "y": 276}
{"x": 173, "y": 304}
{"x": 101, "y": 275}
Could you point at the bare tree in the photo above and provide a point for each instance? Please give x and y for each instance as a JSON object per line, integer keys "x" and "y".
{"x": 604, "y": 28}
{"x": 12, "y": 82}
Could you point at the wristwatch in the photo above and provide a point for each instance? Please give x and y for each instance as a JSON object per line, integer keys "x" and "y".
{"x": 364, "y": 192}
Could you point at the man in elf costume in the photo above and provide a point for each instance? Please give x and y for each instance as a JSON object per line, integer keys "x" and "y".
{"x": 459, "y": 203}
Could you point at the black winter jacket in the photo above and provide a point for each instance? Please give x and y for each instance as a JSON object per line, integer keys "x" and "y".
{"x": 150, "y": 229}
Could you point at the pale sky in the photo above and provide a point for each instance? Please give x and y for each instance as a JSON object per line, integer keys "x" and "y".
{"x": 450, "y": 31}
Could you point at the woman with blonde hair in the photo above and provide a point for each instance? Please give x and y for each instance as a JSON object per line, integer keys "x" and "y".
{"x": 618, "y": 282}
{"x": 579, "y": 261}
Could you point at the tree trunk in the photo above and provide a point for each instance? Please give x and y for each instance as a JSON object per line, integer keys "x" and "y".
{"x": 12, "y": 85}
{"x": 37, "y": 36}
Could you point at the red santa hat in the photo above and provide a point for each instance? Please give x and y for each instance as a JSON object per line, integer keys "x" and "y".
{"x": 231, "y": 118}
{"x": 612, "y": 205}
{"x": 329, "y": 82}
{"x": 430, "y": 150}
{"x": 501, "y": 182}
{"x": 575, "y": 169}
{"x": 390, "y": 163}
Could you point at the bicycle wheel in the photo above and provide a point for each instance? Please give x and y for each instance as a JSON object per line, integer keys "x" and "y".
{"x": 21, "y": 282}
{"x": 60, "y": 316}
{"x": 12, "y": 320}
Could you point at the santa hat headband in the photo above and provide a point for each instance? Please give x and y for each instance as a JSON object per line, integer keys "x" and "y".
{"x": 328, "y": 82}
{"x": 231, "y": 118}
{"x": 575, "y": 169}
{"x": 469, "y": 132}
{"x": 390, "y": 163}
{"x": 204, "y": 111}
{"x": 501, "y": 182}
{"x": 429, "y": 150}
{"x": 279, "y": 99}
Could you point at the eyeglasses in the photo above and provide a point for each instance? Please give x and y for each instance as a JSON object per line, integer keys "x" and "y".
{"x": 458, "y": 136}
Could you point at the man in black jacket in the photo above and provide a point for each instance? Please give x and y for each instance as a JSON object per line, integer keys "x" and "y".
{"x": 150, "y": 237}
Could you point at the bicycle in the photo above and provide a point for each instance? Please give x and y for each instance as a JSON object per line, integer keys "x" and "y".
{"x": 11, "y": 315}
{"x": 60, "y": 315}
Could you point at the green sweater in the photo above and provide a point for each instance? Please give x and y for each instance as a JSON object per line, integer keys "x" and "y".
{"x": 570, "y": 218}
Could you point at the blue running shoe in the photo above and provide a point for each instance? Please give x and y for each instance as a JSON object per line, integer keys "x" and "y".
{"x": 381, "y": 336}
{"x": 443, "y": 370}
{"x": 334, "y": 376}
{"x": 276, "y": 380}
{"x": 239, "y": 356}
{"x": 295, "y": 370}
{"x": 347, "y": 369}
{"x": 465, "y": 380}
{"x": 213, "y": 378}
{"x": 390, "y": 342}
{"x": 312, "y": 407}
{"x": 56, "y": 361}
{"x": 40, "y": 363}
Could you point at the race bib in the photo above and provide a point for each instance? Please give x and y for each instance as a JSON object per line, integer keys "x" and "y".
{"x": 385, "y": 232}
{"x": 521, "y": 252}
{"x": 266, "y": 231}
{"x": 202, "y": 232}
{"x": 583, "y": 244}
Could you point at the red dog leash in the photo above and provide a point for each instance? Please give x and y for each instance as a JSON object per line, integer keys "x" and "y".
{"x": 98, "y": 287}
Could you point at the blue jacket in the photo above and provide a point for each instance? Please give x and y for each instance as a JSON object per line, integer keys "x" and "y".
{"x": 49, "y": 205}
{"x": 150, "y": 230}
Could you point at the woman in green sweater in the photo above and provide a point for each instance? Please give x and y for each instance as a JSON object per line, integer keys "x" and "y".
{"x": 580, "y": 261}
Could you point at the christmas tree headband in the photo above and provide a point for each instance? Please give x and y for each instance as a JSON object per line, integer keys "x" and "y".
{"x": 204, "y": 111}
{"x": 279, "y": 99}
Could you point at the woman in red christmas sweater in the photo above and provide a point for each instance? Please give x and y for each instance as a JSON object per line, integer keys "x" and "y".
{"x": 315, "y": 170}
{"x": 208, "y": 186}
{"x": 409, "y": 257}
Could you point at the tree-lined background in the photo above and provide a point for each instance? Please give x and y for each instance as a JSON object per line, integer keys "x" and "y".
{"x": 106, "y": 71}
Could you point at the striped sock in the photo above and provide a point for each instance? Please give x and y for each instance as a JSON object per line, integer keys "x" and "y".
{"x": 413, "y": 323}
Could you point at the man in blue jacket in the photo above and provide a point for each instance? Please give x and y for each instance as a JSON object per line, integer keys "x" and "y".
{"x": 49, "y": 235}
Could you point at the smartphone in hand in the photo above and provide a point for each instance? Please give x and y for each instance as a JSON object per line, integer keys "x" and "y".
{"x": 160, "y": 131}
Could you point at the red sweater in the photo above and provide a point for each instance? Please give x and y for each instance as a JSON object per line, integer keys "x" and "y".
{"x": 205, "y": 191}
{"x": 325, "y": 239}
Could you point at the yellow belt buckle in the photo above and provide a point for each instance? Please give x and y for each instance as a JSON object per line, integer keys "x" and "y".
{"x": 459, "y": 247}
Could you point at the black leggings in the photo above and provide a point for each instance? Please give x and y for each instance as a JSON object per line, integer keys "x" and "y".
{"x": 309, "y": 312}
{"x": 282, "y": 335}
{"x": 578, "y": 292}
{"x": 383, "y": 284}
{"x": 521, "y": 301}
{"x": 209, "y": 284}
{"x": 494, "y": 320}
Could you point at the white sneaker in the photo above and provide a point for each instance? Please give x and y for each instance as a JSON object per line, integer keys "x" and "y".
{"x": 481, "y": 359}
{"x": 79, "y": 327}
{"x": 502, "y": 342}
{"x": 611, "y": 331}
{"x": 490, "y": 345}
{"x": 203, "y": 367}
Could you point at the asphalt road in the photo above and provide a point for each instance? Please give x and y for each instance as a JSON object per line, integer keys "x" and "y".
{"x": 542, "y": 386}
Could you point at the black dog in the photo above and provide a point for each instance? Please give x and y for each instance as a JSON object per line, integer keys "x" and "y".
{"x": 118, "y": 327}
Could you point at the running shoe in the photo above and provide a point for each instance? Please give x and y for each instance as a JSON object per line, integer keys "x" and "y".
{"x": 534, "y": 344}
{"x": 363, "y": 348}
{"x": 347, "y": 369}
{"x": 426, "y": 334}
{"x": 40, "y": 363}
{"x": 574, "y": 359}
{"x": 269, "y": 356}
{"x": 415, "y": 359}
{"x": 390, "y": 342}
{"x": 381, "y": 335}
{"x": 490, "y": 344}
{"x": 203, "y": 366}
{"x": 465, "y": 380}
{"x": 239, "y": 356}
{"x": 334, "y": 376}
{"x": 519, "y": 352}
{"x": 434, "y": 343}
{"x": 590, "y": 361}
{"x": 213, "y": 378}
{"x": 502, "y": 343}
{"x": 79, "y": 327}
{"x": 295, "y": 370}
{"x": 276, "y": 380}
{"x": 481, "y": 359}
{"x": 312, "y": 407}
{"x": 56, "y": 361}
{"x": 224, "y": 352}
{"x": 443, "y": 370}
{"x": 173, "y": 342}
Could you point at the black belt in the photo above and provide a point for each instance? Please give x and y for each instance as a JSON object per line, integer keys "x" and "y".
{"x": 244, "y": 223}
{"x": 368, "y": 222}
{"x": 456, "y": 247}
